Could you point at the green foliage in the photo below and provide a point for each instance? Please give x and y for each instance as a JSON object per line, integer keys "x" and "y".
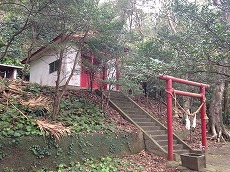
{"x": 76, "y": 112}
{"x": 8, "y": 170}
{"x": 35, "y": 88}
{"x": 2, "y": 43}
{"x": 2, "y": 154}
{"x": 12, "y": 61}
{"x": 12, "y": 22}
{"x": 83, "y": 116}
{"x": 44, "y": 151}
{"x": 195, "y": 50}
{"x": 40, "y": 152}
{"x": 13, "y": 124}
{"x": 107, "y": 164}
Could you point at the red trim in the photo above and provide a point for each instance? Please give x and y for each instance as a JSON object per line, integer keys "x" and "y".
{"x": 96, "y": 82}
{"x": 85, "y": 75}
{"x": 42, "y": 48}
{"x": 83, "y": 79}
{"x": 73, "y": 37}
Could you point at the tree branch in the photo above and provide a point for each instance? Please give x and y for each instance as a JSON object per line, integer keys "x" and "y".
{"x": 13, "y": 3}
{"x": 204, "y": 71}
{"x": 12, "y": 38}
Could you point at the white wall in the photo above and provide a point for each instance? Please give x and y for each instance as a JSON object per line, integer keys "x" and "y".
{"x": 68, "y": 66}
{"x": 15, "y": 73}
{"x": 39, "y": 69}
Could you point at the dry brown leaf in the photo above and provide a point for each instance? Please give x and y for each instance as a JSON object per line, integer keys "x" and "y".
{"x": 15, "y": 88}
{"x": 40, "y": 101}
{"x": 57, "y": 130}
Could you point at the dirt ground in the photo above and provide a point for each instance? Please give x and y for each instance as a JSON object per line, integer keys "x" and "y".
{"x": 218, "y": 157}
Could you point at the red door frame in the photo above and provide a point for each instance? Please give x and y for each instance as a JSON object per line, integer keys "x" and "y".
{"x": 170, "y": 91}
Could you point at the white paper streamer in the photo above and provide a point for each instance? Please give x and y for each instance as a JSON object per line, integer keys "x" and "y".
{"x": 194, "y": 122}
{"x": 187, "y": 125}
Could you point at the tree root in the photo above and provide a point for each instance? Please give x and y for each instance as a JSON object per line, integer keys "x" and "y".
{"x": 222, "y": 136}
{"x": 226, "y": 134}
{"x": 213, "y": 137}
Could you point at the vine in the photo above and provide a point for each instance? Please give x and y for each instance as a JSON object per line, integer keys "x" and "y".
{"x": 105, "y": 164}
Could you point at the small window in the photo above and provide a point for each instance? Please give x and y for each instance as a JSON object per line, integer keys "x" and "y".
{"x": 53, "y": 66}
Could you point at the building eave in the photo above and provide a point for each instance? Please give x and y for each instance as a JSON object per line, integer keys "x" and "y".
{"x": 55, "y": 40}
{"x": 11, "y": 66}
{"x": 40, "y": 50}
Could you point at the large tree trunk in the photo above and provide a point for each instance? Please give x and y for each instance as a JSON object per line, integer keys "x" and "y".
{"x": 226, "y": 107}
{"x": 215, "y": 111}
{"x": 226, "y": 98}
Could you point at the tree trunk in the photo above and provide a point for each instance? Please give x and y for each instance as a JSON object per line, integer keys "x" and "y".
{"x": 56, "y": 107}
{"x": 226, "y": 98}
{"x": 91, "y": 80}
{"x": 226, "y": 109}
{"x": 215, "y": 111}
{"x": 59, "y": 93}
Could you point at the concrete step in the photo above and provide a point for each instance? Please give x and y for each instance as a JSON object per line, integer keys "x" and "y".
{"x": 127, "y": 107}
{"x": 122, "y": 102}
{"x": 175, "y": 147}
{"x": 143, "y": 121}
{"x": 138, "y": 116}
{"x": 119, "y": 98}
{"x": 165, "y": 142}
{"x": 137, "y": 113}
{"x": 148, "y": 128}
{"x": 160, "y": 137}
{"x": 133, "y": 110}
{"x": 153, "y": 130}
{"x": 144, "y": 124}
{"x": 157, "y": 132}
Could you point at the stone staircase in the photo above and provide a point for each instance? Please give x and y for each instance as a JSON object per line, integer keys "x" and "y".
{"x": 155, "y": 134}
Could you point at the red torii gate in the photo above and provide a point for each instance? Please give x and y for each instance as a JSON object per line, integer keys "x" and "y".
{"x": 170, "y": 91}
